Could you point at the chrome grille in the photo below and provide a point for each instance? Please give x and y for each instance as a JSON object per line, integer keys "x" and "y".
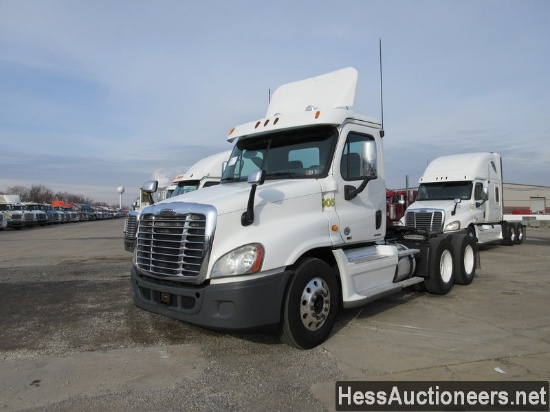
{"x": 130, "y": 226}
{"x": 431, "y": 220}
{"x": 171, "y": 245}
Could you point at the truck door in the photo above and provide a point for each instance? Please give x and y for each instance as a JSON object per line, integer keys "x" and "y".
{"x": 363, "y": 218}
{"x": 494, "y": 203}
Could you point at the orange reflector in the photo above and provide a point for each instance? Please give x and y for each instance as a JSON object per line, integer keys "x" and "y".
{"x": 317, "y": 114}
{"x": 335, "y": 228}
{"x": 231, "y": 131}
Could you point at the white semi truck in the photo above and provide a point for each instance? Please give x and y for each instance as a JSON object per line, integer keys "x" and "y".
{"x": 296, "y": 229}
{"x": 15, "y": 212}
{"x": 463, "y": 193}
{"x": 205, "y": 173}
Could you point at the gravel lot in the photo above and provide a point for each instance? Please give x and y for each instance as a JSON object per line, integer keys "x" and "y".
{"x": 71, "y": 338}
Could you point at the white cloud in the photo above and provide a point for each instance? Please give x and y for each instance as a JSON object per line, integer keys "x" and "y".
{"x": 127, "y": 88}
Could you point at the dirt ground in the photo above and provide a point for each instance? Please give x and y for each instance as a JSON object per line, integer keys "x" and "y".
{"x": 71, "y": 338}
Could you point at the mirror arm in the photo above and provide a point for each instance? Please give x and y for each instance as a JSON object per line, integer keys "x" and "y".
{"x": 350, "y": 192}
{"x": 478, "y": 204}
{"x": 247, "y": 218}
{"x": 457, "y": 201}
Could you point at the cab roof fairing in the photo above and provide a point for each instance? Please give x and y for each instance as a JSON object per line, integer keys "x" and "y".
{"x": 321, "y": 100}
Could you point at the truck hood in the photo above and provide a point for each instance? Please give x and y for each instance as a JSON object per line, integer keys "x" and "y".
{"x": 232, "y": 197}
{"x": 432, "y": 204}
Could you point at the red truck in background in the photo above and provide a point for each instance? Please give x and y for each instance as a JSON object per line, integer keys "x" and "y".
{"x": 397, "y": 202}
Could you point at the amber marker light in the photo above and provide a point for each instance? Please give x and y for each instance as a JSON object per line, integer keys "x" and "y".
{"x": 257, "y": 124}
{"x": 317, "y": 114}
{"x": 335, "y": 228}
{"x": 266, "y": 122}
{"x": 276, "y": 121}
{"x": 231, "y": 131}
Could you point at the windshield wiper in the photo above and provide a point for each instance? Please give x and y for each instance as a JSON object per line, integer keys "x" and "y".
{"x": 230, "y": 179}
{"x": 278, "y": 174}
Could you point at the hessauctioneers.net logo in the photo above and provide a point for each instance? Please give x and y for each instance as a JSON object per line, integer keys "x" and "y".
{"x": 437, "y": 396}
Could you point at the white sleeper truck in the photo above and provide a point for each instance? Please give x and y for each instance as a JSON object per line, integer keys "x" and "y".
{"x": 463, "y": 193}
{"x": 205, "y": 173}
{"x": 295, "y": 230}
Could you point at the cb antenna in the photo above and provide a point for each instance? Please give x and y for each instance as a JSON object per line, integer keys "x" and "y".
{"x": 381, "y": 89}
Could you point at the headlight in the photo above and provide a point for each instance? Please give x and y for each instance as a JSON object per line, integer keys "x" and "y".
{"x": 452, "y": 226}
{"x": 244, "y": 260}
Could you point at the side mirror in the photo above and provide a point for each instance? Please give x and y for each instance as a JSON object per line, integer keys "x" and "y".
{"x": 368, "y": 159}
{"x": 255, "y": 178}
{"x": 150, "y": 186}
{"x": 369, "y": 169}
{"x": 457, "y": 201}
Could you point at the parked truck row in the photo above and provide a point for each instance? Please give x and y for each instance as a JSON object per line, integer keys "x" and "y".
{"x": 298, "y": 227}
{"x": 17, "y": 214}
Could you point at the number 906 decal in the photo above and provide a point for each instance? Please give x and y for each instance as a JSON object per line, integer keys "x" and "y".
{"x": 330, "y": 202}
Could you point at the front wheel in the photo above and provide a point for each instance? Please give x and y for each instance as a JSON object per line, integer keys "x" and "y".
{"x": 441, "y": 271}
{"x": 311, "y": 305}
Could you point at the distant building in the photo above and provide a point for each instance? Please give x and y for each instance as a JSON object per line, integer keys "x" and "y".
{"x": 526, "y": 199}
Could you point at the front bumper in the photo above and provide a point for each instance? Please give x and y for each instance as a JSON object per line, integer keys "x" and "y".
{"x": 228, "y": 306}
{"x": 16, "y": 223}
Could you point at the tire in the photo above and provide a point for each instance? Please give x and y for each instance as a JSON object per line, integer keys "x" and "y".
{"x": 520, "y": 234}
{"x": 465, "y": 251}
{"x": 509, "y": 232}
{"x": 441, "y": 270}
{"x": 311, "y": 305}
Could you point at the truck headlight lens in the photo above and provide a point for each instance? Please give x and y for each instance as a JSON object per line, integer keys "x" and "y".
{"x": 244, "y": 260}
{"x": 452, "y": 226}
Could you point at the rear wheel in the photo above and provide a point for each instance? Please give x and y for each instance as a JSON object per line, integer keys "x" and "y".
{"x": 465, "y": 251}
{"x": 509, "y": 233}
{"x": 520, "y": 234}
{"x": 441, "y": 272}
{"x": 311, "y": 305}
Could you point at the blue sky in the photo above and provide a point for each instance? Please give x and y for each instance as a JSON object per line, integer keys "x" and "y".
{"x": 100, "y": 94}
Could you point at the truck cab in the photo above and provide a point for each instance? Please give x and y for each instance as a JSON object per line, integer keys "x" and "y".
{"x": 463, "y": 193}
{"x": 205, "y": 173}
{"x": 295, "y": 230}
{"x": 39, "y": 212}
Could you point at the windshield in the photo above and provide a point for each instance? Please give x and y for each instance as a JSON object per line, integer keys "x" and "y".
{"x": 186, "y": 186}
{"x": 445, "y": 191}
{"x": 6, "y": 207}
{"x": 294, "y": 154}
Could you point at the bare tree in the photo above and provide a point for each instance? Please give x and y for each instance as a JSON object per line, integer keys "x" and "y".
{"x": 22, "y": 191}
{"x": 40, "y": 194}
